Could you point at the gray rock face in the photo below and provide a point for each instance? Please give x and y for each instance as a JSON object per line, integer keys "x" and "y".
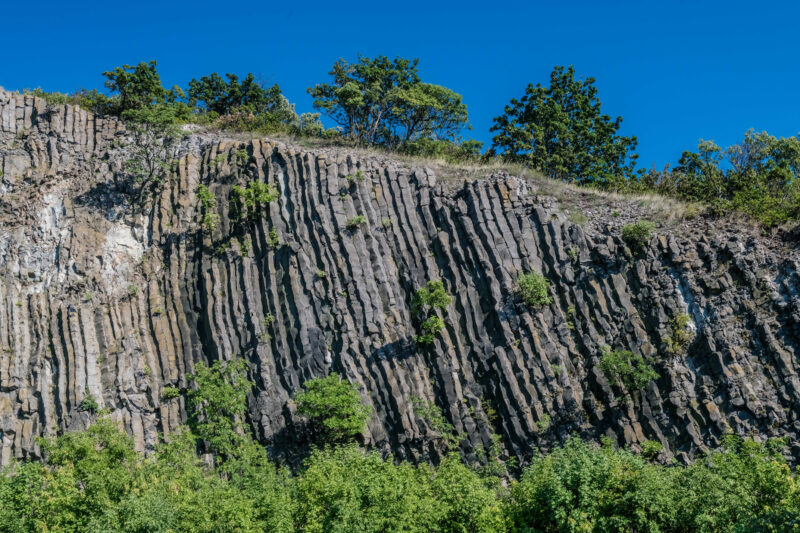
{"x": 103, "y": 297}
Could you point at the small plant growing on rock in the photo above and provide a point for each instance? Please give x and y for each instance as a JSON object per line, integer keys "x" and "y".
{"x": 246, "y": 202}
{"x": 242, "y": 156}
{"x": 431, "y": 326}
{"x": 266, "y": 324}
{"x": 386, "y": 223}
{"x": 357, "y": 175}
{"x": 573, "y": 253}
{"x": 432, "y": 414}
{"x": 321, "y": 274}
{"x": 273, "y": 241}
{"x": 89, "y": 403}
{"x": 543, "y": 423}
{"x": 680, "y": 335}
{"x": 208, "y": 201}
{"x": 534, "y": 289}
{"x": 168, "y": 393}
{"x": 627, "y": 368}
{"x": 424, "y": 305}
{"x": 637, "y": 234}
{"x": 651, "y": 448}
{"x": 355, "y": 222}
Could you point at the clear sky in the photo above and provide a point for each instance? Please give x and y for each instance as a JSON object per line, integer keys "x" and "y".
{"x": 675, "y": 71}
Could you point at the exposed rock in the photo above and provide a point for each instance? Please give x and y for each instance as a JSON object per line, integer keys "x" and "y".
{"x": 103, "y": 297}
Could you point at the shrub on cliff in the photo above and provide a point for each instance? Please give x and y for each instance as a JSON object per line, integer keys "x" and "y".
{"x": 626, "y": 368}
{"x": 334, "y": 408}
{"x": 534, "y": 289}
{"x": 426, "y": 301}
{"x": 637, "y": 234}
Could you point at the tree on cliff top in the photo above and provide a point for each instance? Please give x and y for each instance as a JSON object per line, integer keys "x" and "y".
{"x": 383, "y": 101}
{"x": 561, "y": 131}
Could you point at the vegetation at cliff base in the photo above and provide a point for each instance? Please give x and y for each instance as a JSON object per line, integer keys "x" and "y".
{"x": 94, "y": 481}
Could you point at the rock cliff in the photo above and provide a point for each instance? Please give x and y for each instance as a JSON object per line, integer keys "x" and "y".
{"x": 112, "y": 295}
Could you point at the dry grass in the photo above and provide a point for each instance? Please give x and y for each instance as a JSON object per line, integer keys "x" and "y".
{"x": 574, "y": 199}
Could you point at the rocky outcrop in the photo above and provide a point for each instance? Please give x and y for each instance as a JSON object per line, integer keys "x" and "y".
{"x": 112, "y": 297}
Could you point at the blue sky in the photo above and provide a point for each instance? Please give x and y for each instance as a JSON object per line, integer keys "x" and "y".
{"x": 675, "y": 71}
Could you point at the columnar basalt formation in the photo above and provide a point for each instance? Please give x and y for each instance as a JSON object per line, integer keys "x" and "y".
{"x": 113, "y": 297}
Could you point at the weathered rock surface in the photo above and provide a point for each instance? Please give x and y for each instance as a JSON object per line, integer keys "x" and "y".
{"x": 101, "y": 297}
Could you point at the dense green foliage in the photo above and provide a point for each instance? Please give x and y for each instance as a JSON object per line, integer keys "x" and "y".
{"x": 384, "y": 102}
{"x": 334, "y": 408}
{"x": 215, "y": 95}
{"x": 680, "y": 335}
{"x": 626, "y": 368}
{"x": 94, "y": 481}
{"x": 561, "y": 131}
{"x": 534, "y": 289}
{"x": 247, "y": 203}
{"x": 424, "y": 305}
{"x": 758, "y": 176}
{"x": 637, "y": 234}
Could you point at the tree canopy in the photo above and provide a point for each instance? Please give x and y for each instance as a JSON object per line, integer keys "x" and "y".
{"x": 383, "y": 101}
{"x": 561, "y": 131}
{"x": 334, "y": 408}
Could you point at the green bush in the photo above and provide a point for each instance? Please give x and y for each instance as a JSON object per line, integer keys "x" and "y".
{"x": 334, "y": 408}
{"x": 208, "y": 201}
{"x": 626, "y": 368}
{"x": 651, "y": 448}
{"x": 534, "y": 289}
{"x": 636, "y": 235}
{"x": 356, "y": 176}
{"x": 168, "y": 393}
{"x": 94, "y": 481}
{"x": 426, "y": 301}
{"x": 88, "y": 403}
{"x": 273, "y": 240}
{"x": 680, "y": 335}
{"x": 431, "y": 326}
{"x": 355, "y": 222}
{"x": 432, "y": 296}
{"x": 247, "y": 202}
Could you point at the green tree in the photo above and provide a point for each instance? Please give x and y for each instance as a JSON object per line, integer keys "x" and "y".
{"x": 469, "y": 505}
{"x": 223, "y": 97}
{"x": 383, "y": 101}
{"x": 345, "y": 489}
{"x": 561, "y": 131}
{"x": 334, "y": 408}
{"x": 218, "y": 404}
{"x": 580, "y": 488}
{"x": 137, "y": 87}
{"x": 424, "y": 110}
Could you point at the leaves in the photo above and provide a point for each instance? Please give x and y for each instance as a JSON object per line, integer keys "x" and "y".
{"x": 383, "y": 101}
{"x": 334, "y": 407}
{"x": 561, "y": 131}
